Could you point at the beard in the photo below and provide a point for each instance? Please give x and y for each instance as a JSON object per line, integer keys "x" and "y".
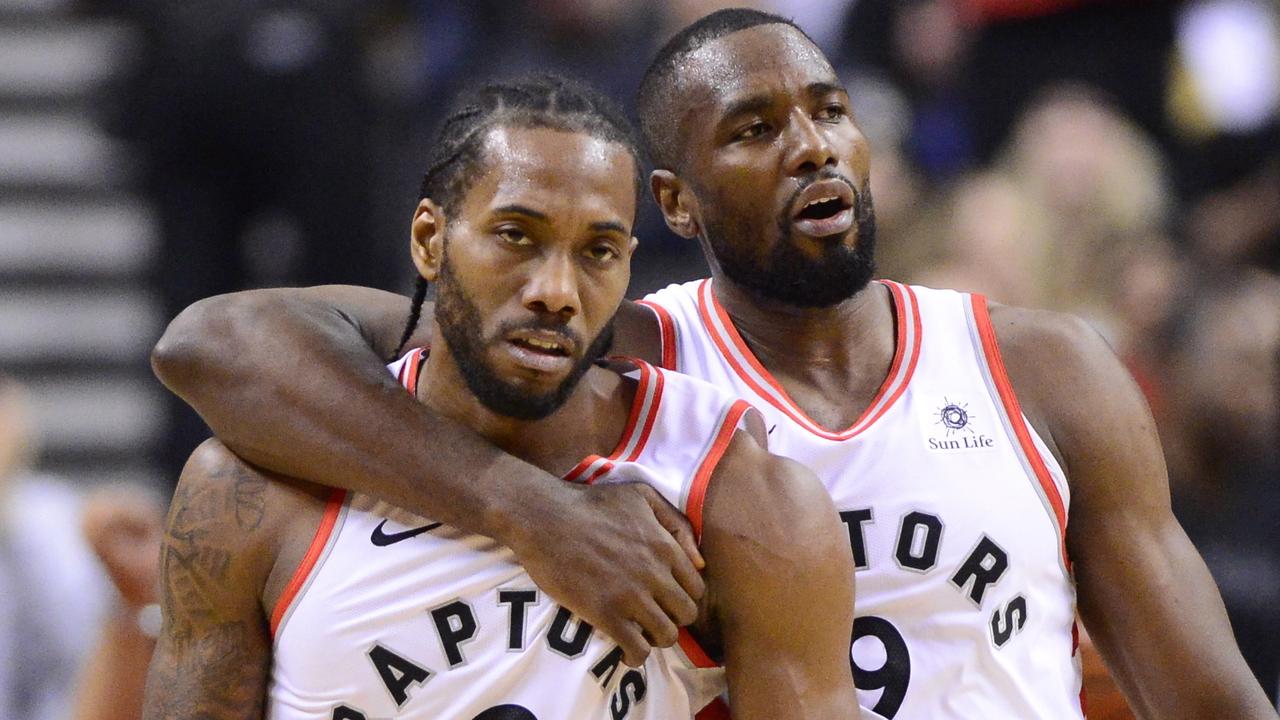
{"x": 786, "y": 274}
{"x": 461, "y": 327}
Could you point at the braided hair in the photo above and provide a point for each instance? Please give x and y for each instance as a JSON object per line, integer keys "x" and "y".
{"x": 536, "y": 101}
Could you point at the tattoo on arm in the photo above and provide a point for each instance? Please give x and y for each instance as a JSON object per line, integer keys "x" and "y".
{"x": 212, "y": 659}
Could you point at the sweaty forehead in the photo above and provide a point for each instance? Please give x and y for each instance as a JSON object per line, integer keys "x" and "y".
{"x": 545, "y": 168}
{"x": 764, "y": 58}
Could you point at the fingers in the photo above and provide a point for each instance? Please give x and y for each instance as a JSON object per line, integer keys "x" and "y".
{"x": 679, "y": 606}
{"x": 635, "y": 648}
{"x": 685, "y": 562}
{"x": 658, "y": 629}
{"x": 676, "y": 524}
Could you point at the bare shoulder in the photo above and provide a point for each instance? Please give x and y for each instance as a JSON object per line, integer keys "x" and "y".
{"x": 1050, "y": 351}
{"x": 228, "y": 519}
{"x": 212, "y": 656}
{"x": 1067, "y": 378}
{"x": 636, "y": 333}
{"x": 1080, "y": 398}
{"x": 773, "y": 505}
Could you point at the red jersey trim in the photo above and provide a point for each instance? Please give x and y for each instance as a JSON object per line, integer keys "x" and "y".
{"x": 410, "y": 370}
{"x": 999, "y": 375}
{"x": 692, "y": 650}
{"x": 644, "y": 412}
{"x": 319, "y": 541}
{"x": 666, "y": 334}
{"x": 745, "y": 364}
{"x": 693, "y": 511}
{"x": 717, "y": 709}
{"x": 702, "y": 478}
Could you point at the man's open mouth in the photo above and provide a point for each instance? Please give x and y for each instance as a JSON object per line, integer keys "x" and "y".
{"x": 539, "y": 346}
{"x": 824, "y": 208}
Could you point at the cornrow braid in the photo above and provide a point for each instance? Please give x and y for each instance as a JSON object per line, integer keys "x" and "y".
{"x": 535, "y": 101}
{"x": 415, "y": 311}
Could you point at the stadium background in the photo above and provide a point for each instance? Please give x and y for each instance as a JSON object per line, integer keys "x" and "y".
{"x": 1114, "y": 158}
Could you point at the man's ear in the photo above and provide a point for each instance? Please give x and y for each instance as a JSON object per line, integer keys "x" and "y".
{"x": 426, "y": 241}
{"x": 676, "y": 200}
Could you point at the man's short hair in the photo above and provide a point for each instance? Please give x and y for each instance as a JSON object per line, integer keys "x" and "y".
{"x": 658, "y": 98}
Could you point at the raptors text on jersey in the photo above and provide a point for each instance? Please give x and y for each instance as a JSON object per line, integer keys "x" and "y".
{"x": 955, "y": 509}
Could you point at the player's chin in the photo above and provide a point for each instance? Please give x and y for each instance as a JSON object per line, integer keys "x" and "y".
{"x": 819, "y": 246}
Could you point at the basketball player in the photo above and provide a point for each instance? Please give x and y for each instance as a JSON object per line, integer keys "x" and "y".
{"x": 996, "y": 468}
{"x": 328, "y": 605}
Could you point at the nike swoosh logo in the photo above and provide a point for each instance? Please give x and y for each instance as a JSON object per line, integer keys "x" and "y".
{"x": 382, "y": 539}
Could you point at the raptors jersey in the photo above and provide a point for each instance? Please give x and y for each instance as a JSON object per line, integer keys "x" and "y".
{"x": 391, "y": 615}
{"x": 954, "y": 507}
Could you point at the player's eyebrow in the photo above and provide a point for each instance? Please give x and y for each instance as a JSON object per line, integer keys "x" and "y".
{"x": 517, "y": 209}
{"x": 749, "y": 104}
{"x": 820, "y": 88}
{"x": 609, "y": 226}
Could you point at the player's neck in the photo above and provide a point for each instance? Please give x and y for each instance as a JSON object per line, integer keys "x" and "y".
{"x": 857, "y": 331}
{"x": 589, "y": 421}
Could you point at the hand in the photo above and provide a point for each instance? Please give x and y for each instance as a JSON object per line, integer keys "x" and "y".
{"x": 618, "y": 556}
{"x": 124, "y": 528}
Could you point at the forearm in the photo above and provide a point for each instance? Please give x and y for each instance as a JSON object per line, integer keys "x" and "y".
{"x": 291, "y": 385}
{"x": 1159, "y": 623}
{"x": 112, "y": 680}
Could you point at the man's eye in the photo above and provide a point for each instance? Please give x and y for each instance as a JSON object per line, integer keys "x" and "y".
{"x": 603, "y": 253}
{"x": 832, "y": 112}
{"x": 755, "y": 129}
{"x": 512, "y": 236}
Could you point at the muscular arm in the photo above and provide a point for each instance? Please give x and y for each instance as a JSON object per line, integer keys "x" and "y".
{"x": 212, "y": 658}
{"x": 294, "y": 381}
{"x": 1144, "y": 593}
{"x": 780, "y": 588}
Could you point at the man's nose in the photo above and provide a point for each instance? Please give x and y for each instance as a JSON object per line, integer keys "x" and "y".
{"x": 810, "y": 148}
{"x": 553, "y": 287}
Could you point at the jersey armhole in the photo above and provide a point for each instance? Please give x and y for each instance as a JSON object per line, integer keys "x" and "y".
{"x": 729, "y": 422}
{"x": 706, "y": 468}
{"x": 320, "y": 545}
{"x": 1016, "y": 422}
{"x": 666, "y": 333}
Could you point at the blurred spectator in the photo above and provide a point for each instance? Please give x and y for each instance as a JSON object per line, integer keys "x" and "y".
{"x": 919, "y": 48}
{"x": 64, "y": 652}
{"x": 1239, "y": 224}
{"x": 52, "y": 592}
{"x": 124, "y": 527}
{"x": 995, "y": 241}
{"x": 1018, "y": 48}
{"x": 1101, "y": 187}
{"x": 1221, "y": 423}
{"x": 1152, "y": 281}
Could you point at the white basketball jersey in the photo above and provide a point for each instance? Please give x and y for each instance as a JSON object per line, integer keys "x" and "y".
{"x": 955, "y": 510}
{"x": 391, "y": 615}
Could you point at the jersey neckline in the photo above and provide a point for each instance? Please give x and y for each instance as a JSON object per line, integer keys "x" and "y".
{"x": 644, "y": 410}
{"x": 749, "y": 368}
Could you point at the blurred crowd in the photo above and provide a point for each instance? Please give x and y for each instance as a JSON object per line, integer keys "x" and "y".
{"x": 1118, "y": 159}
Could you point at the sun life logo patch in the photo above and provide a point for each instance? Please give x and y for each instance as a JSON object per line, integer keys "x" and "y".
{"x": 954, "y": 417}
{"x": 952, "y": 428}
